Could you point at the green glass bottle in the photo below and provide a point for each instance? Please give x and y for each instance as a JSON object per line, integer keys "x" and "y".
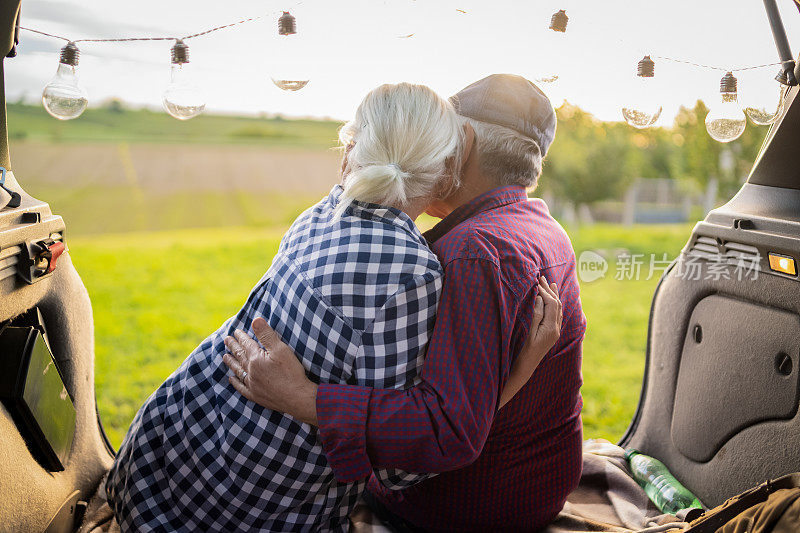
{"x": 661, "y": 487}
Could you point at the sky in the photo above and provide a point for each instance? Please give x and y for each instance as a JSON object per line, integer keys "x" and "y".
{"x": 351, "y": 46}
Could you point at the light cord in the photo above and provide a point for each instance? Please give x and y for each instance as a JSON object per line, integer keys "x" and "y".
{"x": 714, "y": 67}
{"x": 131, "y": 39}
{"x": 260, "y": 17}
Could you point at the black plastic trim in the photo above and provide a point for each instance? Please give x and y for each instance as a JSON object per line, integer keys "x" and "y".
{"x": 111, "y": 451}
{"x": 637, "y": 416}
{"x": 776, "y": 164}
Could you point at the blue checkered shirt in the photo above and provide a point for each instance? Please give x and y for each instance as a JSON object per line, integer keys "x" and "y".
{"x": 356, "y": 300}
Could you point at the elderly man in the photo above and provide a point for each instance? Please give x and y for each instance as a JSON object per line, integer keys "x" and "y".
{"x": 507, "y": 469}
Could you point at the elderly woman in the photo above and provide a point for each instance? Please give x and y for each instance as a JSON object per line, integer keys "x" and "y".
{"x": 353, "y": 290}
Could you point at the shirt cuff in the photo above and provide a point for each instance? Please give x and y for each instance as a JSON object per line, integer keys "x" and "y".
{"x": 342, "y": 412}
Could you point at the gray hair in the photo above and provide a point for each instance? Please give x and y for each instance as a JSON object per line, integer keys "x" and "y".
{"x": 405, "y": 141}
{"x": 506, "y": 156}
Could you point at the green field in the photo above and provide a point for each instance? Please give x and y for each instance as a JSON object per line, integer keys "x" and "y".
{"x": 157, "y": 295}
{"x": 111, "y": 124}
{"x": 113, "y": 172}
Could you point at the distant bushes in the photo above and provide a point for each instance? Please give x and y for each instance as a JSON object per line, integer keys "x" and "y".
{"x": 259, "y": 131}
{"x": 592, "y": 161}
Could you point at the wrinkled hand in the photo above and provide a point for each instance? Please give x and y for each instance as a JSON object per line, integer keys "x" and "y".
{"x": 271, "y": 376}
{"x": 544, "y": 332}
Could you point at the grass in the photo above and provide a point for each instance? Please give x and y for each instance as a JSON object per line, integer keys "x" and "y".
{"x": 157, "y": 295}
{"x": 101, "y": 210}
{"x": 617, "y": 313}
{"x": 116, "y": 124}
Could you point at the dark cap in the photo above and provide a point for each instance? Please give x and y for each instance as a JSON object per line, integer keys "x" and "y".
{"x": 510, "y": 101}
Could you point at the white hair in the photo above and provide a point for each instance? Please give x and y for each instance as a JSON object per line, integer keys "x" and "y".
{"x": 403, "y": 145}
{"x": 506, "y": 156}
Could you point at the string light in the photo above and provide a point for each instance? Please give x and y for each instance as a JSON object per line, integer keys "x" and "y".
{"x": 182, "y": 99}
{"x": 63, "y": 98}
{"x": 552, "y": 47}
{"x": 289, "y": 68}
{"x": 643, "y": 109}
{"x": 764, "y": 110}
{"x": 726, "y": 121}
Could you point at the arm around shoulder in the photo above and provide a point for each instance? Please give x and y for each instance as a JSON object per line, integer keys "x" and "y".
{"x": 442, "y": 423}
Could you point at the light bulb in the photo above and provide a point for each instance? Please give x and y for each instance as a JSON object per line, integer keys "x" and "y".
{"x": 764, "y": 108}
{"x": 182, "y": 99}
{"x": 726, "y": 121}
{"x": 551, "y": 49}
{"x": 63, "y": 98}
{"x": 643, "y": 109}
{"x": 289, "y": 68}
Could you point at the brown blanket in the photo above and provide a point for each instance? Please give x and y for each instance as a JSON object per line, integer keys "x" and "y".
{"x": 607, "y": 499}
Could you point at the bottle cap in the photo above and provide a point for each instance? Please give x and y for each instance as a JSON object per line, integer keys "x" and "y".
{"x": 630, "y": 452}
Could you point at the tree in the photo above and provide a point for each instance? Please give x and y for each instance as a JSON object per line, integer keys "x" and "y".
{"x": 586, "y": 162}
{"x": 701, "y": 158}
{"x": 115, "y": 105}
{"x": 592, "y": 160}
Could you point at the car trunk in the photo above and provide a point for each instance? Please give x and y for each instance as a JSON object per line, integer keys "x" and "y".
{"x": 719, "y": 404}
{"x": 33, "y": 495}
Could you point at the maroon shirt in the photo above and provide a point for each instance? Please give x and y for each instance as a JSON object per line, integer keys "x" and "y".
{"x": 508, "y": 469}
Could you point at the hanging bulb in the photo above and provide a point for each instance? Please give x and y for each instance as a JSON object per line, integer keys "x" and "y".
{"x": 726, "y": 121}
{"x": 289, "y": 69}
{"x": 551, "y": 49}
{"x": 182, "y": 99}
{"x": 644, "y": 109}
{"x": 764, "y": 108}
{"x": 63, "y": 98}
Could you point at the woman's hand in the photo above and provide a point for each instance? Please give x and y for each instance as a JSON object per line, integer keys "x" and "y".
{"x": 545, "y": 330}
{"x": 271, "y": 376}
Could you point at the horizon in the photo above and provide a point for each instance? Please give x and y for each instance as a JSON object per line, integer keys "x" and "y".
{"x": 265, "y": 115}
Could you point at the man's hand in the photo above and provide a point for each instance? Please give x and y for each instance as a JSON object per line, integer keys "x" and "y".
{"x": 544, "y": 332}
{"x": 271, "y": 376}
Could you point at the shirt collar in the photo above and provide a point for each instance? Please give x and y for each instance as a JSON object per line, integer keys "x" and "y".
{"x": 486, "y": 201}
{"x": 369, "y": 211}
